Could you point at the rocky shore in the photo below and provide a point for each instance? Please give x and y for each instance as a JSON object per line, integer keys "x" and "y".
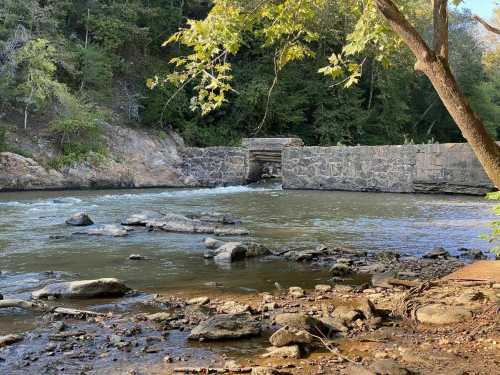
{"x": 377, "y": 313}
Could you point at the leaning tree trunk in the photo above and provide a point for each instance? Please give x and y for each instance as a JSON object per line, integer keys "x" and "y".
{"x": 434, "y": 63}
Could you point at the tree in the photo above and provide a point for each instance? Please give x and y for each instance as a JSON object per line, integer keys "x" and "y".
{"x": 288, "y": 25}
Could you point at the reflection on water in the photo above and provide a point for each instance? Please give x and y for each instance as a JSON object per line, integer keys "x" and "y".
{"x": 369, "y": 221}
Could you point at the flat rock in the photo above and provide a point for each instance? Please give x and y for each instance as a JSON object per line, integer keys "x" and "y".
{"x": 160, "y": 317}
{"x": 105, "y": 230}
{"x": 264, "y": 371}
{"x": 436, "y": 253}
{"x": 226, "y": 326}
{"x": 286, "y": 336}
{"x": 346, "y": 314}
{"x": 142, "y": 218}
{"x": 443, "y": 314}
{"x": 198, "y": 301}
{"x": 215, "y": 217}
{"x": 233, "y": 307}
{"x": 80, "y": 219}
{"x": 388, "y": 367}
{"x": 292, "y": 351}
{"x": 136, "y": 257}
{"x": 231, "y": 231}
{"x": 108, "y": 287}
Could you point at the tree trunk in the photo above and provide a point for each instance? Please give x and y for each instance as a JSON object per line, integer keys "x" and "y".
{"x": 435, "y": 66}
{"x": 471, "y": 126}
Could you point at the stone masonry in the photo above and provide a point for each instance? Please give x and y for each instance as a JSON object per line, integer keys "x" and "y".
{"x": 439, "y": 168}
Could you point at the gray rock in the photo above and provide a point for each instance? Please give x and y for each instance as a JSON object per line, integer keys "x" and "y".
{"x": 287, "y": 336}
{"x": 105, "y": 230}
{"x": 388, "y": 367}
{"x": 230, "y": 252}
{"x": 198, "y": 301}
{"x": 264, "y": 371}
{"x": 323, "y": 288}
{"x": 292, "y": 351}
{"x": 231, "y": 231}
{"x": 346, "y": 314}
{"x": 372, "y": 268}
{"x": 382, "y": 280}
{"x": 226, "y": 326}
{"x": 296, "y": 291}
{"x": 255, "y": 249}
{"x": 136, "y": 257}
{"x": 215, "y": 218}
{"x": 80, "y": 219}
{"x": 83, "y": 289}
{"x": 340, "y": 269}
{"x": 142, "y": 218}
{"x": 436, "y": 253}
{"x": 212, "y": 243}
{"x": 443, "y": 314}
{"x": 233, "y": 307}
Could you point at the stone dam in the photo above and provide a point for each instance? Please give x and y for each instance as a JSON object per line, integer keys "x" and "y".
{"x": 430, "y": 168}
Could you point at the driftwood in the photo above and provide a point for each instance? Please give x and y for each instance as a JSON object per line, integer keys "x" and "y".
{"x": 9, "y": 340}
{"x": 407, "y": 283}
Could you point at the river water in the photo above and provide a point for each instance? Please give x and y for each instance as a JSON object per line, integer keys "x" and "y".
{"x": 370, "y": 221}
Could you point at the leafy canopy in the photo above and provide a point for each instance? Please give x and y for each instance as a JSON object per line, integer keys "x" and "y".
{"x": 290, "y": 27}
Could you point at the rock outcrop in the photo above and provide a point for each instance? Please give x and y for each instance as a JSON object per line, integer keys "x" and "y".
{"x": 226, "y": 326}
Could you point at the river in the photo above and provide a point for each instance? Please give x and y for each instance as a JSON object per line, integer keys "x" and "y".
{"x": 407, "y": 223}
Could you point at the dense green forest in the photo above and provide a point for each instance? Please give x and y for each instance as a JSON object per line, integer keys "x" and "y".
{"x": 68, "y": 65}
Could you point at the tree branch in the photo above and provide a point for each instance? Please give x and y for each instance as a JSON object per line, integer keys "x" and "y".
{"x": 406, "y": 31}
{"x": 486, "y": 25}
{"x": 440, "y": 17}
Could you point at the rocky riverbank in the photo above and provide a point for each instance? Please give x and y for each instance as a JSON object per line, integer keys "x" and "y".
{"x": 134, "y": 158}
{"x": 436, "y": 327}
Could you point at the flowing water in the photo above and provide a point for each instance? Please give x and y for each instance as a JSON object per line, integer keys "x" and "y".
{"x": 408, "y": 223}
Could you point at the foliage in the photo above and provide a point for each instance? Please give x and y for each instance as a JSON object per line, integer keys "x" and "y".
{"x": 494, "y": 237}
{"x": 3, "y": 139}
{"x": 77, "y": 132}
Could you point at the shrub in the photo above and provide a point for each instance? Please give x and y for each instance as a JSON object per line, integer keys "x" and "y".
{"x": 494, "y": 237}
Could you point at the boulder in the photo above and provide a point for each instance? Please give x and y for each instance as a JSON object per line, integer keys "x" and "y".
{"x": 286, "y": 336}
{"x": 303, "y": 322}
{"x": 292, "y": 351}
{"x": 436, "y": 253}
{"x": 230, "y": 252}
{"x": 346, "y": 314}
{"x": 83, "y": 289}
{"x": 105, "y": 230}
{"x": 296, "y": 291}
{"x": 80, "y": 219}
{"x": 212, "y": 243}
{"x": 264, "y": 371}
{"x": 443, "y": 314}
{"x": 255, "y": 249}
{"x": 141, "y": 219}
{"x": 323, "y": 288}
{"x": 226, "y": 326}
{"x": 382, "y": 280}
{"x": 372, "y": 268}
{"x": 340, "y": 269}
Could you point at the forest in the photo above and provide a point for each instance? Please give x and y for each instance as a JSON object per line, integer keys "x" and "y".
{"x": 67, "y": 66}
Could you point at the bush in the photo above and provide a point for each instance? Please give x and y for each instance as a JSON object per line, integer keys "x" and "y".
{"x": 3, "y": 139}
{"x": 77, "y": 133}
{"x": 494, "y": 237}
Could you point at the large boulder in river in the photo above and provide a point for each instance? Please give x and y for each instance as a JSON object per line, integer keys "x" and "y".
{"x": 212, "y": 243}
{"x": 226, "y": 326}
{"x": 80, "y": 219}
{"x": 230, "y": 252}
{"x": 255, "y": 249}
{"x": 437, "y": 253}
{"x": 108, "y": 287}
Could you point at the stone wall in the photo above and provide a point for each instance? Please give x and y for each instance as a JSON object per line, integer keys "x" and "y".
{"x": 440, "y": 168}
{"x": 215, "y": 166}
